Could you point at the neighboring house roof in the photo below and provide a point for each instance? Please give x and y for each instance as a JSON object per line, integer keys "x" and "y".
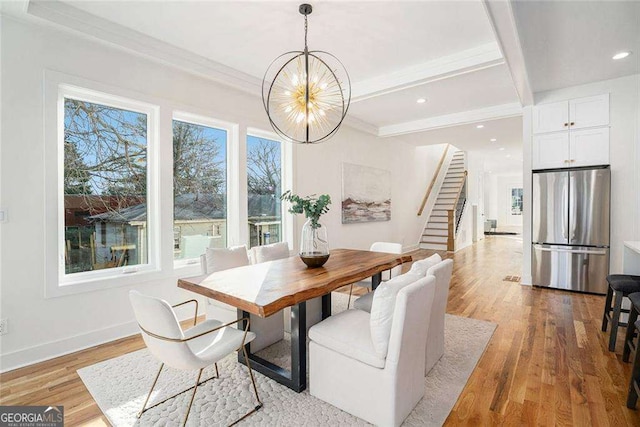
{"x": 193, "y": 207}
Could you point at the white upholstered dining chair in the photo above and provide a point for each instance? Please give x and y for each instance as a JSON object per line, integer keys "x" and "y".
{"x": 392, "y": 248}
{"x": 442, "y": 271}
{"x": 372, "y": 365}
{"x": 268, "y": 330}
{"x": 419, "y": 267}
{"x": 193, "y": 349}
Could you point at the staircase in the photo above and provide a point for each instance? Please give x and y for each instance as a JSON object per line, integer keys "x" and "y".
{"x": 447, "y": 211}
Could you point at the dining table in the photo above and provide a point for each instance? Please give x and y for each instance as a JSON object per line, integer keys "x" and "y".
{"x": 266, "y": 288}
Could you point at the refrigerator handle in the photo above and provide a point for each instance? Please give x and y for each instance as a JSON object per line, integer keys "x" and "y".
{"x": 565, "y": 210}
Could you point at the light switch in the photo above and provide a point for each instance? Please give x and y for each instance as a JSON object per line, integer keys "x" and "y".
{"x": 3, "y": 216}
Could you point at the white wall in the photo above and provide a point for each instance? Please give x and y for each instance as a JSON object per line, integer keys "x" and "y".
{"x": 42, "y": 328}
{"x": 625, "y": 160}
{"x": 498, "y": 200}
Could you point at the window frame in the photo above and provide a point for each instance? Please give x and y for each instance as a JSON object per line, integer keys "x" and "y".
{"x": 232, "y": 132}
{"x": 286, "y": 177}
{"x": 59, "y": 87}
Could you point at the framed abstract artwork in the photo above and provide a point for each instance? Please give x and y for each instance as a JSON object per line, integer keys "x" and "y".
{"x": 366, "y": 194}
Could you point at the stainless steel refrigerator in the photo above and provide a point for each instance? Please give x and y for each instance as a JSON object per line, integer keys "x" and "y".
{"x": 570, "y": 229}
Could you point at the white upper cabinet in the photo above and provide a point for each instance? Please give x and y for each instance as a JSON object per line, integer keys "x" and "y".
{"x": 580, "y": 113}
{"x": 589, "y": 147}
{"x": 551, "y": 151}
{"x": 589, "y": 112}
{"x": 571, "y": 133}
{"x": 551, "y": 117}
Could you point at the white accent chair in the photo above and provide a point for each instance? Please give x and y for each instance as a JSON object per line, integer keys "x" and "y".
{"x": 392, "y": 248}
{"x": 268, "y": 330}
{"x": 417, "y": 267}
{"x": 270, "y": 252}
{"x": 442, "y": 271}
{"x": 193, "y": 349}
{"x": 374, "y": 368}
{"x": 435, "y": 337}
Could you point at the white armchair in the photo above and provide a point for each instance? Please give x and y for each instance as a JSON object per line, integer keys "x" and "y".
{"x": 193, "y": 349}
{"x": 435, "y": 337}
{"x": 268, "y": 330}
{"x": 372, "y": 365}
{"x": 392, "y": 248}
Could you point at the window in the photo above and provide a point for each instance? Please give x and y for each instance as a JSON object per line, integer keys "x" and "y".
{"x": 516, "y": 201}
{"x": 199, "y": 186}
{"x": 105, "y": 185}
{"x": 264, "y": 187}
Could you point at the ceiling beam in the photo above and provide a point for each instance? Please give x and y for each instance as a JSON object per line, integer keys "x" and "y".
{"x": 503, "y": 22}
{"x": 455, "y": 119}
{"x": 466, "y": 61}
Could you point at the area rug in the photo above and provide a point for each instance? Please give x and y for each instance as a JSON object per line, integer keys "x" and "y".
{"x": 120, "y": 385}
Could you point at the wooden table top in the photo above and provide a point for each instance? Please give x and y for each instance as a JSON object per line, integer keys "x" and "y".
{"x": 266, "y": 288}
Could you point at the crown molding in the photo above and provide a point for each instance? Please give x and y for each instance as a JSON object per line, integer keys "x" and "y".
{"x": 98, "y": 28}
{"x": 503, "y": 24}
{"x": 466, "y": 61}
{"x": 455, "y": 119}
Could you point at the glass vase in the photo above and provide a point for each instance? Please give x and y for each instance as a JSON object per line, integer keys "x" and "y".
{"x": 314, "y": 245}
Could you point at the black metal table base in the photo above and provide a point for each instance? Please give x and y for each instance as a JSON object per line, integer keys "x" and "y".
{"x": 296, "y": 377}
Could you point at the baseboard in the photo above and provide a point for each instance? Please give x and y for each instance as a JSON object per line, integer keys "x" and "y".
{"x": 50, "y": 350}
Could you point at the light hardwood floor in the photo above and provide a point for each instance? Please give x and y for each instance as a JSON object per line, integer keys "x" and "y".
{"x": 547, "y": 363}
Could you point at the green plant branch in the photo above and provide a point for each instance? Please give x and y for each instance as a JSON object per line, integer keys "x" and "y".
{"x": 313, "y": 208}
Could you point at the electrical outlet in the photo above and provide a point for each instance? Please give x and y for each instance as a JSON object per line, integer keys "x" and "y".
{"x": 4, "y": 326}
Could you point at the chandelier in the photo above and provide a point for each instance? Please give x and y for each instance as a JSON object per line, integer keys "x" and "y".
{"x": 306, "y": 94}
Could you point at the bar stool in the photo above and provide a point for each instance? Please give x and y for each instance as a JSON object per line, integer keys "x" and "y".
{"x": 634, "y": 383}
{"x": 632, "y": 330}
{"x": 620, "y": 286}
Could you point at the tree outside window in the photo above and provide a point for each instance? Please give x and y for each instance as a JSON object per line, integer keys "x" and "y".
{"x": 199, "y": 188}
{"x": 105, "y": 186}
{"x": 264, "y": 184}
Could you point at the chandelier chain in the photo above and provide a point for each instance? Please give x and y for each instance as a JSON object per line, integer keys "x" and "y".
{"x": 305, "y": 32}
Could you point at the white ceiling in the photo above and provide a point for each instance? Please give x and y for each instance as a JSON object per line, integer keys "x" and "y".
{"x": 394, "y": 51}
{"x": 469, "y": 91}
{"x": 370, "y": 38}
{"x": 507, "y": 132}
{"x": 566, "y": 43}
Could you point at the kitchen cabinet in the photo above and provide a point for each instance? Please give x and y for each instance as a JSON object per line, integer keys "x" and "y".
{"x": 589, "y": 147}
{"x": 571, "y": 133}
{"x": 579, "y": 113}
{"x": 550, "y": 151}
{"x": 552, "y": 117}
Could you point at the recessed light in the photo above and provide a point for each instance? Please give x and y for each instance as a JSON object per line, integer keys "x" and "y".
{"x": 493, "y": 140}
{"x": 501, "y": 148}
{"x": 621, "y": 55}
{"x": 421, "y": 100}
{"x": 489, "y": 171}
{"x": 508, "y": 155}
{"x": 479, "y": 126}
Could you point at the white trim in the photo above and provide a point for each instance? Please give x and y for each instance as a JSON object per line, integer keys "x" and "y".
{"x": 410, "y": 248}
{"x": 57, "y": 87}
{"x": 231, "y": 130}
{"x": 52, "y": 349}
{"x": 286, "y": 179}
{"x": 455, "y": 119}
{"x": 466, "y": 61}
{"x": 94, "y": 27}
